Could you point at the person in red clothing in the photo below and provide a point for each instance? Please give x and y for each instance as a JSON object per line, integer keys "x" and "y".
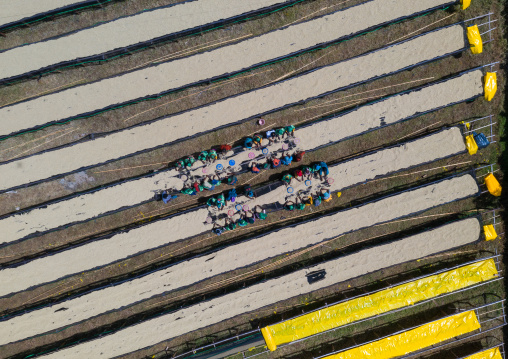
{"x": 299, "y": 156}
{"x": 299, "y": 175}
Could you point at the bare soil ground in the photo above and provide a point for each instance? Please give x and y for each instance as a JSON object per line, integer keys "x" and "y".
{"x": 173, "y": 103}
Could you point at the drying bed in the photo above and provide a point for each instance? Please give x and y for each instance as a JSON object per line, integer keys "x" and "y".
{"x": 232, "y": 110}
{"x": 102, "y": 252}
{"x": 197, "y": 269}
{"x": 386, "y": 112}
{"x": 216, "y": 310}
{"x": 181, "y": 72}
{"x": 14, "y": 11}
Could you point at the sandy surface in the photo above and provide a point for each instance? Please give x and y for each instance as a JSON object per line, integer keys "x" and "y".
{"x": 14, "y": 10}
{"x": 123, "y": 32}
{"x": 88, "y": 256}
{"x": 176, "y": 73}
{"x": 272, "y": 291}
{"x": 195, "y": 270}
{"x": 232, "y": 110}
{"x": 394, "y": 108}
{"x": 321, "y": 133}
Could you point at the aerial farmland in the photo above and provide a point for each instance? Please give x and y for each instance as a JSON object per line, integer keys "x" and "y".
{"x": 205, "y": 179}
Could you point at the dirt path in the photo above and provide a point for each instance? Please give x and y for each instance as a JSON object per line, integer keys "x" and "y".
{"x": 369, "y": 117}
{"x": 233, "y": 110}
{"x": 129, "y": 30}
{"x": 122, "y": 245}
{"x": 272, "y": 291}
{"x": 177, "y": 73}
{"x": 22, "y": 9}
{"x": 233, "y": 257}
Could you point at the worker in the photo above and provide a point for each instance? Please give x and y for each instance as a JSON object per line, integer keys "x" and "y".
{"x": 286, "y": 160}
{"x": 249, "y": 217}
{"x": 307, "y": 172}
{"x": 325, "y": 194}
{"x": 259, "y": 212}
{"x": 220, "y": 201}
{"x": 242, "y": 222}
{"x": 300, "y": 206}
{"x": 232, "y": 180}
{"x": 289, "y": 206}
{"x": 180, "y": 164}
{"x": 257, "y": 139}
{"x": 230, "y": 225}
{"x": 203, "y": 156}
{"x": 255, "y": 168}
{"x": 189, "y": 191}
{"x": 249, "y": 192}
{"x": 211, "y": 202}
{"x": 275, "y": 162}
{"x": 189, "y": 161}
{"x": 290, "y": 130}
{"x": 287, "y": 179}
{"x": 212, "y": 155}
{"x": 197, "y": 186}
{"x": 207, "y": 184}
{"x": 299, "y": 156}
{"x": 248, "y": 143}
{"x": 323, "y": 172}
{"x": 317, "y": 200}
{"x": 280, "y": 132}
{"x": 167, "y": 197}
{"x": 215, "y": 180}
{"x": 224, "y": 149}
{"x": 298, "y": 174}
{"x": 217, "y": 229}
{"x": 231, "y": 197}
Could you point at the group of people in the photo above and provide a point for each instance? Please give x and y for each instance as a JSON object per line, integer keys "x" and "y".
{"x": 301, "y": 202}
{"x": 272, "y": 136}
{"x": 245, "y": 218}
{"x": 220, "y": 201}
{"x": 207, "y": 157}
{"x": 316, "y": 170}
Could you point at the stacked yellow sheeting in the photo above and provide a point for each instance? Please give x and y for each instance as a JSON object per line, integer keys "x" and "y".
{"x": 475, "y": 40}
{"x": 493, "y": 185}
{"x": 464, "y": 4}
{"x": 415, "y": 339}
{"x": 490, "y": 86}
{"x": 493, "y": 353}
{"x": 378, "y": 303}
{"x": 490, "y": 232}
{"x": 471, "y": 145}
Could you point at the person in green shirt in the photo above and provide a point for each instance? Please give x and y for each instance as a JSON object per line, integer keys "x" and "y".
{"x": 290, "y": 130}
{"x": 289, "y": 206}
{"x": 300, "y": 206}
{"x": 242, "y": 222}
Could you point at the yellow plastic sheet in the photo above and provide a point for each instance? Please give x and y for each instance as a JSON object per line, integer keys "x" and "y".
{"x": 490, "y": 86}
{"x": 415, "y": 339}
{"x": 464, "y": 4}
{"x": 378, "y": 303}
{"x": 493, "y": 185}
{"x": 475, "y": 40}
{"x": 493, "y": 353}
{"x": 471, "y": 145}
{"x": 490, "y": 232}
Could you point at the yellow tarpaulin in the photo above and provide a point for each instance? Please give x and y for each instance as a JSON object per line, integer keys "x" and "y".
{"x": 378, "y": 303}
{"x": 490, "y": 86}
{"x": 471, "y": 145}
{"x": 490, "y": 232}
{"x": 475, "y": 40}
{"x": 464, "y": 4}
{"x": 415, "y": 339}
{"x": 493, "y": 353}
{"x": 493, "y": 185}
